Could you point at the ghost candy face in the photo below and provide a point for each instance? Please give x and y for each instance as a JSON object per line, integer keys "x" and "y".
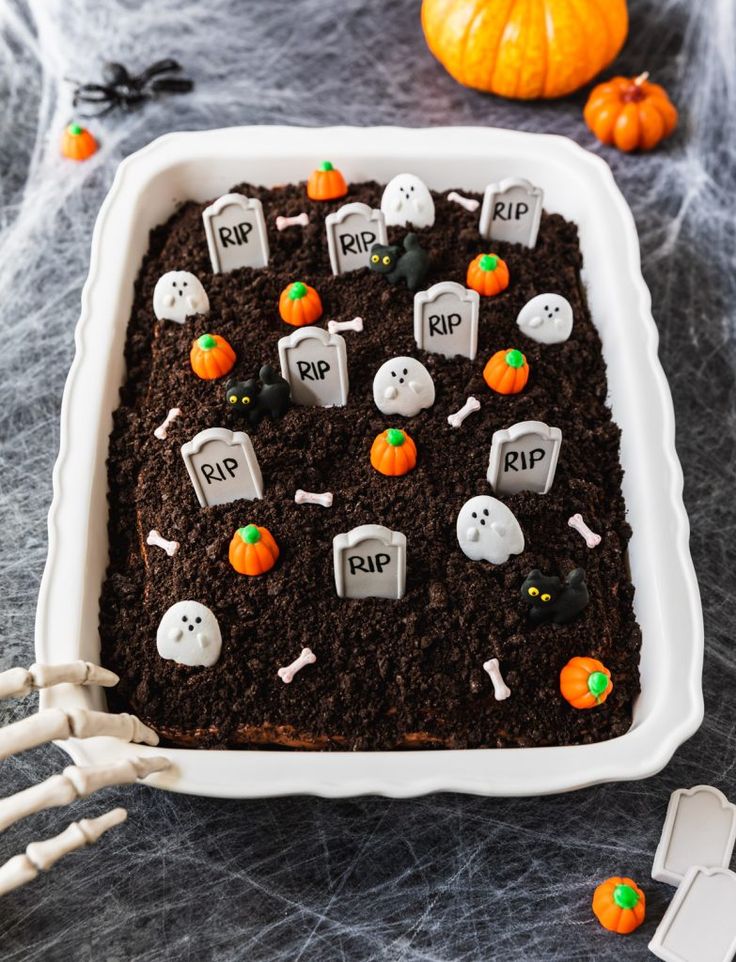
{"x": 488, "y": 531}
{"x": 403, "y": 386}
{"x": 407, "y": 201}
{"x": 189, "y": 634}
{"x": 179, "y": 295}
{"x": 546, "y": 319}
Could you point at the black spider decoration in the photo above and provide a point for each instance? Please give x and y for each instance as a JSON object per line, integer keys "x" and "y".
{"x": 120, "y": 88}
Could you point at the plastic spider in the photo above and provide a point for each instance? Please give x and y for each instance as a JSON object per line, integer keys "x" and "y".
{"x": 119, "y": 88}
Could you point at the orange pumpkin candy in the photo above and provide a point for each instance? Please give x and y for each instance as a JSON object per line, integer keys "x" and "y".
{"x": 619, "y": 905}
{"x": 488, "y": 274}
{"x": 211, "y": 357}
{"x": 393, "y": 453}
{"x": 326, "y": 183}
{"x": 299, "y": 304}
{"x": 77, "y": 143}
{"x": 535, "y": 48}
{"x": 506, "y": 372}
{"x": 253, "y": 550}
{"x": 630, "y": 113}
{"x": 585, "y": 682}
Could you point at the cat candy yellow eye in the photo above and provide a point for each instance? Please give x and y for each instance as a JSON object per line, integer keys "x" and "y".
{"x": 387, "y": 260}
{"x": 246, "y": 400}
{"x": 233, "y": 399}
{"x": 375, "y": 259}
{"x": 546, "y": 597}
{"x": 534, "y": 592}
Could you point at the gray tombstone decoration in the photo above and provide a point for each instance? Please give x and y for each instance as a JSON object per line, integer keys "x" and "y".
{"x": 236, "y": 233}
{"x": 316, "y": 366}
{"x": 699, "y": 829}
{"x": 222, "y": 466}
{"x": 446, "y": 320}
{"x": 524, "y": 458}
{"x": 370, "y": 562}
{"x": 351, "y": 232}
{"x": 699, "y": 924}
{"x": 511, "y": 211}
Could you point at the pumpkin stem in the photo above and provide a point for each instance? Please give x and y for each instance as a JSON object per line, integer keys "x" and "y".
{"x": 395, "y": 437}
{"x": 250, "y": 534}
{"x": 514, "y": 358}
{"x": 297, "y": 291}
{"x": 207, "y": 342}
{"x": 625, "y": 896}
{"x": 488, "y": 262}
{"x": 75, "y": 130}
{"x": 597, "y": 683}
{"x": 642, "y": 78}
{"x": 326, "y": 165}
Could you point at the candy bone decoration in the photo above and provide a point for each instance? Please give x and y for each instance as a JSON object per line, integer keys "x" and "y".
{"x": 404, "y": 386}
{"x": 546, "y": 319}
{"x": 189, "y": 634}
{"x": 455, "y": 420}
{"x": 407, "y": 202}
{"x": 179, "y": 295}
{"x": 162, "y": 431}
{"x": 307, "y": 657}
{"x": 156, "y": 540}
{"x": 469, "y": 203}
{"x": 336, "y": 327}
{"x": 487, "y": 530}
{"x": 576, "y": 522}
{"x": 309, "y": 497}
{"x": 299, "y": 220}
{"x": 501, "y": 690}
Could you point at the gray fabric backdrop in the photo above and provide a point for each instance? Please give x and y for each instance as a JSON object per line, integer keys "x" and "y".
{"x": 441, "y": 878}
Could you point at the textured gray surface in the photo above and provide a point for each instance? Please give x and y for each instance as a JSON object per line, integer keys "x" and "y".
{"x": 442, "y": 878}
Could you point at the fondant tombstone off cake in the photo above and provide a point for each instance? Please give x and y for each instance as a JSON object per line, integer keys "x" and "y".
{"x": 179, "y": 295}
{"x": 446, "y": 320}
{"x": 699, "y": 924}
{"x": 370, "y": 562}
{"x": 546, "y": 319}
{"x": 407, "y": 202}
{"x": 488, "y": 531}
{"x": 351, "y": 232}
{"x": 315, "y": 364}
{"x": 189, "y": 634}
{"x": 404, "y": 386}
{"x": 511, "y": 212}
{"x": 524, "y": 458}
{"x": 699, "y": 829}
{"x": 236, "y": 233}
{"x": 222, "y": 466}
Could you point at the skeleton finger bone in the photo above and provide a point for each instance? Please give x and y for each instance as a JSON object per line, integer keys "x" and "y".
{"x": 456, "y": 419}
{"x": 17, "y": 682}
{"x": 74, "y": 783}
{"x": 309, "y": 497}
{"x": 334, "y": 327}
{"x": 299, "y": 220}
{"x": 162, "y": 430}
{"x": 501, "y": 690}
{"x": 53, "y": 724}
{"x": 591, "y": 538}
{"x": 467, "y": 202}
{"x": 307, "y": 657}
{"x": 155, "y": 538}
{"x": 40, "y": 856}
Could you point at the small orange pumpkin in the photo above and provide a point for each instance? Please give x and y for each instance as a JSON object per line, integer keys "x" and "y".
{"x": 538, "y": 48}
{"x": 393, "y": 453}
{"x": 253, "y": 550}
{"x": 77, "y": 143}
{"x": 326, "y": 183}
{"x": 619, "y": 905}
{"x": 630, "y": 113}
{"x": 299, "y": 304}
{"x": 488, "y": 274}
{"x": 506, "y": 371}
{"x": 585, "y": 682}
{"x": 211, "y": 357}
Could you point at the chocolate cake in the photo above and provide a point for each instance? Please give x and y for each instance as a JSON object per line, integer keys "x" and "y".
{"x": 389, "y": 674}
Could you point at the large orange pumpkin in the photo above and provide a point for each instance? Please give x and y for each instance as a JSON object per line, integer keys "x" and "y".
{"x": 619, "y": 905}
{"x": 525, "y": 48}
{"x": 253, "y": 550}
{"x": 630, "y": 113}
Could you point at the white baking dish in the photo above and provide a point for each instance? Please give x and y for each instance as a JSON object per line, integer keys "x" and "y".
{"x": 148, "y": 187}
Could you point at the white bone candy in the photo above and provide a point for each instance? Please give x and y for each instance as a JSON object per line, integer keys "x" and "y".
{"x": 309, "y": 497}
{"x": 591, "y": 538}
{"x": 467, "y": 202}
{"x": 456, "y": 419}
{"x": 307, "y": 657}
{"x": 154, "y": 538}
{"x": 17, "y": 682}
{"x": 162, "y": 430}
{"x": 334, "y": 327}
{"x": 300, "y": 220}
{"x": 501, "y": 690}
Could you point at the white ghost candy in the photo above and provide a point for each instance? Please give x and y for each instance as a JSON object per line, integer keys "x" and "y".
{"x": 407, "y": 201}
{"x": 178, "y": 295}
{"x": 546, "y": 318}
{"x": 189, "y": 634}
{"x": 403, "y": 386}
{"x": 488, "y": 531}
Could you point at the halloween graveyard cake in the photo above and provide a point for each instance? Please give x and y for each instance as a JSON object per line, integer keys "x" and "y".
{"x": 364, "y": 485}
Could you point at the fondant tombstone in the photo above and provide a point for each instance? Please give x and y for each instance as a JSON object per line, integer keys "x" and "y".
{"x": 236, "y": 233}
{"x": 524, "y": 458}
{"x": 315, "y": 364}
{"x": 699, "y": 829}
{"x": 351, "y": 232}
{"x": 370, "y": 562}
{"x": 446, "y": 320}
{"x": 511, "y": 211}
{"x": 222, "y": 466}
{"x": 700, "y": 923}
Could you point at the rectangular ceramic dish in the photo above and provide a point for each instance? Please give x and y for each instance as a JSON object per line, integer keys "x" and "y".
{"x": 148, "y": 187}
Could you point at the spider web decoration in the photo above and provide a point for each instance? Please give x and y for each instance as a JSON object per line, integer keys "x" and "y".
{"x": 299, "y": 880}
